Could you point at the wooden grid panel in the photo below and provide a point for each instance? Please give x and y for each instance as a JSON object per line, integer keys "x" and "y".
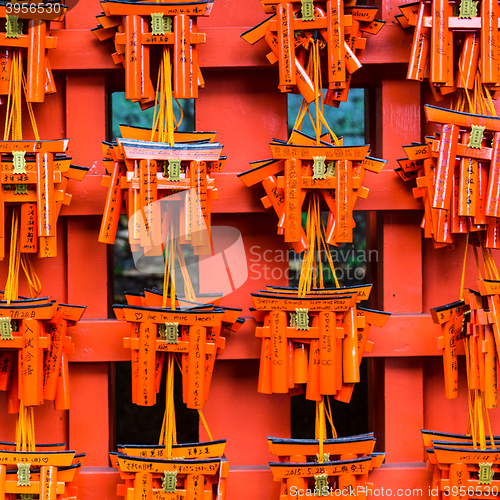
{"x": 241, "y": 101}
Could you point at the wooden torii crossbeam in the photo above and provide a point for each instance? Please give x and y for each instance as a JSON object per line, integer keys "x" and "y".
{"x": 439, "y": 26}
{"x": 337, "y": 171}
{"x": 144, "y": 172}
{"x": 36, "y": 329}
{"x": 136, "y": 27}
{"x": 35, "y": 174}
{"x": 308, "y": 449}
{"x": 458, "y": 176}
{"x": 29, "y": 31}
{"x": 330, "y": 323}
{"x": 194, "y": 331}
{"x": 291, "y": 29}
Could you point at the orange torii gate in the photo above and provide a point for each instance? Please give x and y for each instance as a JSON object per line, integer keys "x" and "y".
{"x": 37, "y": 329}
{"x": 463, "y": 198}
{"x": 35, "y": 39}
{"x": 43, "y": 472}
{"x": 172, "y": 24}
{"x": 289, "y": 36}
{"x": 35, "y": 175}
{"x": 144, "y": 172}
{"x": 189, "y": 451}
{"x": 335, "y": 328}
{"x": 306, "y": 166}
{"x": 461, "y": 470}
{"x": 436, "y": 22}
{"x": 330, "y": 478}
{"x": 193, "y": 331}
{"x": 188, "y": 479}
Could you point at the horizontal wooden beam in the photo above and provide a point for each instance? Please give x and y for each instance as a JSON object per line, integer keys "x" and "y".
{"x": 387, "y": 192}
{"x": 403, "y": 335}
{"x": 79, "y": 49}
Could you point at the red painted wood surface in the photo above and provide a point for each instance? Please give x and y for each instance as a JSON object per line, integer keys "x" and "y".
{"x": 241, "y": 101}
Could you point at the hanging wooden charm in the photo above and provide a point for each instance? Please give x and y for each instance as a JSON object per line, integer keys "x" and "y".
{"x": 292, "y": 28}
{"x": 445, "y": 29}
{"x": 457, "y": 174}
{"x": 27, "y": 36}
{"x": 343, "y": 472}
{"x": 137, "y": 27}
{"x": 317, "y": 339}
{"x": 458, "y": 468}
{"x": 302, "y": 166}
{"x": 192, "y": 471}
{"x": 193, "y": 331}
{"x": 34, "y": 176}
{"x": 144, "y": 172}
{"x": 45, "y": 472}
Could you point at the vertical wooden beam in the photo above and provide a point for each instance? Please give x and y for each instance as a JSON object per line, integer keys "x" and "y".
{"x": 402, "y": 281}
{"x": 87, "y": 266}
{"x": 86, "y": 119}
{"x": 400, "y": 118}
{"x": 89, "y": 413}
{"x": 404, "y": 412}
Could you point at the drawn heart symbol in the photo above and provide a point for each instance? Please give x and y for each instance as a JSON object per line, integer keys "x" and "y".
{"x": 45, "y": 460}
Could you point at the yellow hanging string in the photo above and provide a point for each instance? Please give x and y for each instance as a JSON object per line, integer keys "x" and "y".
{"x": 25, "y": 429}
{"x": 12, "y": 285}
{"x": 34, "y": 283}
{"x": 320, "y": 427}
{"x": 168, "y": 435}
{"x": 476, "y": 257}
{"x": 462, "y": 281}
{"x": 200, "y": 414}
{"x": 470, "y": 394}
{"x": 163, "y": 114}
{"x": 330, "y": 418}
{"x": 205, "y": 424}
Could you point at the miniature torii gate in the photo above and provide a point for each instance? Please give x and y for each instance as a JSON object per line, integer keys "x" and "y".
{"x": 339, "y": 26}
{"x": 194, "y": 332}
{"x": 462, "y": 471}
{"x": 435, "y": 24}
{"x": 450, "y": 318}
{"x": 36, "y": 328}
{"x": 180, "y": 452}
{"x": 335, "y": 168}
{"x": 327, "y": 479}
{"x": 337, "y": 337}
{"x": 457, "y": 200}
{"x": 135, "y": 170}
{"x": 39, "y": 79}
{"x": 44, "y": 473}
{"x": 172, "y": 23}
{"x": 35, "y": 174}
{"x": 154, "y": 478}
{"x": 482, "y": 334}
